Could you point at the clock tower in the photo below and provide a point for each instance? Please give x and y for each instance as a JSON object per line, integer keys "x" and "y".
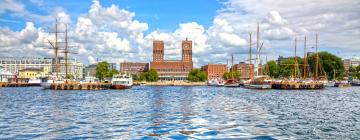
{"x": 186, "y": 50}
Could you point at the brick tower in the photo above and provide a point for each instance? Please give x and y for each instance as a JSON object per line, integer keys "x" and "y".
{"x": 186, "y": 50}
{"x": 158, "y": 50}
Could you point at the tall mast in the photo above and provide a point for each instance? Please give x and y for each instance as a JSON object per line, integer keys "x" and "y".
{"x": 257, "y": 49}
{"x": 66, "y": 53}
{"x": 56, "y": 51}
{"x": 295, "y": 65}
{"x": 317, "y": 59}
{"x": 232, "y": 66}
{"x": 251, "y": 68}
{"x": 305, "y": 59}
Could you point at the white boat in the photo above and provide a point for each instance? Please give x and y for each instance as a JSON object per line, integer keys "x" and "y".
{"x": 121, "y": 81}
{"x": 215, "y": 82}
{"x": 355, "y": 82}
{"x": 47, "y": 81}
{"x": 328, "y": 83}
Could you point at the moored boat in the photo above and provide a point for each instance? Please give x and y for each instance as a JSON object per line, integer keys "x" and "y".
{"x": 121, "y": 81}
{"x": 342, "y": 84}
{"x": 259, "y": 82}
{"x": 46, "y": 82}
{"x": 231, "y": 83}
{"x": 355, "y": 82}
{"x": 215, "y": 82}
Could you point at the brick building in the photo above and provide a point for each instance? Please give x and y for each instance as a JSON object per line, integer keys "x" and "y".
{"x": 214, "y": 71}
{"x": 172, "y": 69}
{"x": 134, "y": 67}
{"x": 246, "y": 70}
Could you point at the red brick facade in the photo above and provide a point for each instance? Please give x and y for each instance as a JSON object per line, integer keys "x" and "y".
{"x": 172, "y": 69}
{"x": 215, "y": 71}
{"x": 134, "y": 67}
{"x": 158, "y": 50}
{"x": 246, "y": 70}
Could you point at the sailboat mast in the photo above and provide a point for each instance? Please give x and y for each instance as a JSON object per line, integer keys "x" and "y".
{"x": 317, "y": 59}
{"x": 295, "y": 62}
{"x": 56, "y": 50}
{"x": 66, "y": 53}
{"x": 232, "y": 66}
{"x": 251, "y": 68}
{"x": 257, "y": 50}
{"x": 305, "y": 59}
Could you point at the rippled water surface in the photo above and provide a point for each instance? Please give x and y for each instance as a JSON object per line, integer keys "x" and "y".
{"x": 179, "y": 113}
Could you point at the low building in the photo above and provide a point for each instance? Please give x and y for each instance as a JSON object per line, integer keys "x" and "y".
{"x": 5, "y": 75}
{"x": 90, "y": 70}
{"x": 245, "y": 70}
{"x": 14, "y": 64}
{"x": 172, "y": 70}
{"x": 74, "y": 68}
{"x": 352, "y": 62}
{"x": 214, "y": 71}
{"x": 31, "y": 73}
{"x": 134, "y": 67}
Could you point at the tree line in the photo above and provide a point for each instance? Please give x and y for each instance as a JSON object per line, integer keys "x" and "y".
{"x": 330, "y": 66}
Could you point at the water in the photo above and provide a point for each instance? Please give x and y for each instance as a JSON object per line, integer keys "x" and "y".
{"x": 179, "y": 113}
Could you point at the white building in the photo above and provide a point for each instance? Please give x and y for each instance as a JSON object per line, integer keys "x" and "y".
{"x": 75, "y": 68}
{"x": 14, "y": 64}
{"x": 4, "y": 75}
{"x": 352, "y": 62}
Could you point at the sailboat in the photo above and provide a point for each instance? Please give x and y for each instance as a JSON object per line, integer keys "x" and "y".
{"x": 259, "y": 81}
{"x": 47, "y": 81}
{"x": 232, "y": 82}
{"x": 304, "y": 83}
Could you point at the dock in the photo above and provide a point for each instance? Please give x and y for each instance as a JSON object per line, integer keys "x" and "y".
{"x": 297, "y": 86}
{"x": 80, "y": 86}
{"x": 6, "y": 84}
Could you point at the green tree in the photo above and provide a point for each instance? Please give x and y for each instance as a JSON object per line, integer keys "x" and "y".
{"x": 286, "y": 68}
{"x": 358, "y": 69}
{"x": 235, "y": 75}
{"x": 328, "y": 64}
{"x": 102, "y": 70}
{"x": 111, "y": 73}
{"x": 150, "y": 76}
{"x": 273, "y": 68}
{"x": 196, "y": 75}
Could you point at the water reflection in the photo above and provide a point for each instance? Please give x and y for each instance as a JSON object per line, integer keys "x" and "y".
{"x": 179, "y": 113}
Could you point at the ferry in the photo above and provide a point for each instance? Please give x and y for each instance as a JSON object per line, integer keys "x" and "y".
{"x": 121, "y": 81}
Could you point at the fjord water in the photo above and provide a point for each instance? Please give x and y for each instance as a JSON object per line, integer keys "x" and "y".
{"x": 160, "y": 112}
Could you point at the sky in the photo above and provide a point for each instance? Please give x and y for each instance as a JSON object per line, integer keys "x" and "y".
{"x": 123, "y": 30}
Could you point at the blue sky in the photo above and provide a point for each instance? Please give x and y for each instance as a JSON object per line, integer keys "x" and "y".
{"x": 159, "y": 14}
{"x": 218, "y": 28}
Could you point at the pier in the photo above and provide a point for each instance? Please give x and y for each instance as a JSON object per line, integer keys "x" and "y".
{"x": 80, "y": 86}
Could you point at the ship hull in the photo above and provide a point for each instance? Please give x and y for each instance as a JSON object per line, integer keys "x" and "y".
{"x": 119, "y": 87}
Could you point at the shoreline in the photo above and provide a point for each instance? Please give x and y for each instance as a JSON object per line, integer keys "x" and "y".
{"x": 170, "y": 83}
